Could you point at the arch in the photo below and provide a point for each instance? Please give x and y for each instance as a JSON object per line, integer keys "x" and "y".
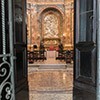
{"x": 53, "y": 8}
{"x": 48, "y": 10}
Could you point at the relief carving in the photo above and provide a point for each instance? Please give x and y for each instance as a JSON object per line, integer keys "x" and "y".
{"x": 51, "y": 26}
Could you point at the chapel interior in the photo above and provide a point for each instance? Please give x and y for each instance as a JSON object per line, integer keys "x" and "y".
{"x": 50, "y": 31}
{"x": 50, "y": 46}
{"x": 40, "y": 56}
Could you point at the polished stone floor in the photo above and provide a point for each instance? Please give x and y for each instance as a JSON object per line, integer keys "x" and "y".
{"x": 48, "y": 80}
{"x": 51, "y": 96}
{"x": 49, "y": 61}
{"x": 50, "y": 84}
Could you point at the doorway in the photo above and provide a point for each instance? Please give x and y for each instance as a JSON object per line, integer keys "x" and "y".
{"x": 85, "y": 49}
{"x": 52, "y": 28}
{"x": 51, "y": 74}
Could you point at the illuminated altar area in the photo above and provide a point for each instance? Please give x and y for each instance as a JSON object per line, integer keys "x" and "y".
{"x": 50, "y": 22}
{"x": 51, "y": 27}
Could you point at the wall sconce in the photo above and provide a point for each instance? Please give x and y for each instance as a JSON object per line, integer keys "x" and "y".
{"x": 38, "y": 36}
{"x": 64, "y": 35}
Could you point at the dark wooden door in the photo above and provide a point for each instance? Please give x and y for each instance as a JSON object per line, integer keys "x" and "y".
{"x": 85, "y": 50}
{"x": 20, "y": 43}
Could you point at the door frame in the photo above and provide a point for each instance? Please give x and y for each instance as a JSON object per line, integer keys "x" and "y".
{"x": 93, "y": 54}
{"x": 98, "y": 48}
{"x": 98, "y": 51}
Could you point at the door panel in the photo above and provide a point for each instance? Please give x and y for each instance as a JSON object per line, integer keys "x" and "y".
{"x": 85, "y": 50}
{"x": 86, "y": 62}
{"x": 20, "y": 43}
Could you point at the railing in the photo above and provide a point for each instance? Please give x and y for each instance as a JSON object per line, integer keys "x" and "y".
{"x": 6, "y": 59}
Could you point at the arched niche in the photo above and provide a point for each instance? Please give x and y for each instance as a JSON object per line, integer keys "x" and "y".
{"x": 51, "y": 26}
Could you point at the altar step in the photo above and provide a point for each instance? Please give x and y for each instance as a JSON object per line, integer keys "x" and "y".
{"x": 52, "y": 66}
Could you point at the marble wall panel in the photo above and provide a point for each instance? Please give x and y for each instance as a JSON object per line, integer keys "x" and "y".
{"x": 34, "y": 16}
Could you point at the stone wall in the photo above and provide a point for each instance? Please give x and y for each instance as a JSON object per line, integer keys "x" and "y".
{"x": 61, "y": 10}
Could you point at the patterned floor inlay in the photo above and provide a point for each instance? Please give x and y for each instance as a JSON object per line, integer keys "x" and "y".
{"x": 51, "y": 96}
{"x": 48, "y": 84}
{"x": 51, "y": 80}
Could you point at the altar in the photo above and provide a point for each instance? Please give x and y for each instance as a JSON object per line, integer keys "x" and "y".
{"x": 51, "y": 54}
{"x": 48, "y": 42}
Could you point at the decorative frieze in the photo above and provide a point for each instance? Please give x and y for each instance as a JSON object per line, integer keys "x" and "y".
{"x": 40, "y": 2}
{"x": 30, "y": 5}
{"x": 69, "y": 6}
{"x": 50, "y": 1}
{"x": 57, "y": 6}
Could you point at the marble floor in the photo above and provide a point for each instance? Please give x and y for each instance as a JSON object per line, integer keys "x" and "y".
{"x": 49, "y": 80}
{"x": 50, "y": 61}
{"x": 50, "y": 84}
